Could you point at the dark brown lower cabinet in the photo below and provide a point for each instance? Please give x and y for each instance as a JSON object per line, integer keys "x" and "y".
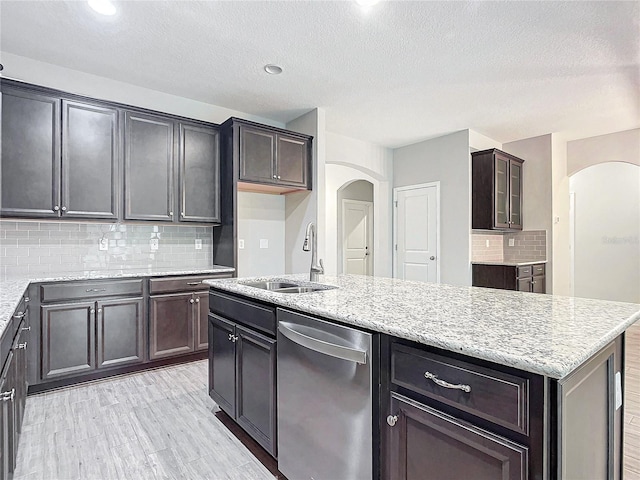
{"x": 170, "y": 325}
{"x": 120, "y": 332}
{"x": 68, "y": 339}
{"x": 201, "y": 318}
{"x": 242, "y": 366}
{"x": 426, "y": 444}
{"x": 81, "y": 337}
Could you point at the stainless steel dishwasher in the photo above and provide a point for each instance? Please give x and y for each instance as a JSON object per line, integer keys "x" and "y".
{"x": 325, "y": 399}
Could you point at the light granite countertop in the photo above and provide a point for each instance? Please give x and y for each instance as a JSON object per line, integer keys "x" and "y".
{"x": 545, "y": 334}
{"x": 12, "y": 289}
{"x": 508, "y": 264}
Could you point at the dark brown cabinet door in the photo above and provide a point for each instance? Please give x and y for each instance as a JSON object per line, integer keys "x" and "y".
{"x": 515, "y": 195}
{"x": 501, "y": 192}
{"x": 120, "y": 334}
{"x": 20, "y": 346}
{"x": 30, "y": 167}
{"x": 89, "y": 161}
{"x": 199, "y": 160}
{"x": 7, "y": 419}
{"x": 255, "y": 383}
{"x": 222, "y": 363}
{"x": 170, "y": 325}
{"x": 291, "y": 158}
{"x": 201, "y": 320}
{"x": 68, "y": 339}
{"x": 426, "y": 444}
{"x": 257, "y": 155}
{"x": 538, "y": 284}
{"x": 148, "y": 167}
{"x": 524, "y": 284}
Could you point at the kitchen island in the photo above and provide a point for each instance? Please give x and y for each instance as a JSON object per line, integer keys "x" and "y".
{"x": 558, "y": 361}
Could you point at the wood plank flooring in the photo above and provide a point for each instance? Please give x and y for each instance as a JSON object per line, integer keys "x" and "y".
{"x": 158, "y": 424}
{"x": 632, "y": 405}
{"x": 161, "y": 424}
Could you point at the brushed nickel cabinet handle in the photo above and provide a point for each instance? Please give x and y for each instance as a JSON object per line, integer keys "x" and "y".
{"x": 193, "y": 283}
{"x": 442, "y": 383}
{"x": 22, "y": 346}
{"x": 96, "y": 290}
{"x": 392, "y": 420}
{"x": 19, "y": 315}
{"x": 8, "y": 396}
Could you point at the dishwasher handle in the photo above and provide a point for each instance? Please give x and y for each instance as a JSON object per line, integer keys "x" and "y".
{"x": 331, "y": 349}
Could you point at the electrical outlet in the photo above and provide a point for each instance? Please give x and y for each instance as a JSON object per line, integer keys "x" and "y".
{"x": 264, "y": 243}
{"x": 103, "y": 244}
{"x": 512, "y": 242}
{"x": 153, "y": 243}
{"x": 487, "y": 243}
{"x": 198, "y": 244}
{"x": 241, "y": 244}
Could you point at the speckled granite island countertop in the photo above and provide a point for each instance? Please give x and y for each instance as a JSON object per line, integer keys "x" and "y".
{"x": 12, "y": 289}
{"x": 544, "y": 334}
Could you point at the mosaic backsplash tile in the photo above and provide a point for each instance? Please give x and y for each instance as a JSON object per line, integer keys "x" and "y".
{"x": 44, "y": 247}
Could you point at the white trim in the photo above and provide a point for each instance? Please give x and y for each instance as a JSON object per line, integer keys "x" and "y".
{"x": 572, "y": 243}
{"x": 395, "y": 224}
{"x": 370, "y": 234}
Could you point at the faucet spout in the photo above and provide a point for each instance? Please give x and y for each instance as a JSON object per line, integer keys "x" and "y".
{"x": 311, "y": 244}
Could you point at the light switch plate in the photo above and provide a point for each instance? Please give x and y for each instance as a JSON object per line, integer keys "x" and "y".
{"x": 153, "y": 243}
{"x": 103, "y": 244}
{"x": 264, "y": 243}
{"x": 198, "y": 244}
{"x": 487, "y": 243}
{"x": 241, "y": 244}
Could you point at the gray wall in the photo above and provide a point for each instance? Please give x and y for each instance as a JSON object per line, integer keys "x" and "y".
{"x": 28, "y": 247}
{"x": 261, "y": 217}
{"x": 537, "y": 210}
{"x": 445, "y": 159}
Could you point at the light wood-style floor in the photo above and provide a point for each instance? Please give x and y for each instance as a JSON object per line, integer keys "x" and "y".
{"x": 632, "y": 405}
{"x": 158, "y": 424}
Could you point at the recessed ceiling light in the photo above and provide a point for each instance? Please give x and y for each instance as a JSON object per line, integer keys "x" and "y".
{"x": 273, "y": 69}
{"x": 103, "y": 7}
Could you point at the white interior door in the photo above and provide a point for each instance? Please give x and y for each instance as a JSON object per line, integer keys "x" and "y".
{"x": 416, "y": 225}
{"x": 357, "y": 237}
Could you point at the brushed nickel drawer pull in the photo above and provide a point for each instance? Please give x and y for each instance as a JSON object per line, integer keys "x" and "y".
{"x": 22, "y": 346}
{"x": 442, "y": 383}
{"x": 193, "y": 283}
{"x": 8, "y": 396}
{"x": 19, "y": 315}
{"x": 96, "y": 290}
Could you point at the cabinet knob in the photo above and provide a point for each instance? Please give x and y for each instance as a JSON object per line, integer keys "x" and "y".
{"x": 64, "y": 209}
{"x": 171, "y": 214}
{"x": 56, "y": 208}
{"x": 99, "y": 310}
{"x": 191, "y": 301}
{"x": 197, "y": 300}
{"x": 278, "y": 177}
{"x": 22, "y": 346}
{"x": 392, "y": 420}
{"x": 275, "y": 176}
{"x": 26, "y": 299}
{"x": 92, "y": 311}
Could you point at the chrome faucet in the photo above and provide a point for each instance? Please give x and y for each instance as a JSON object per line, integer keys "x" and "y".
{"x": 311, "y": 243}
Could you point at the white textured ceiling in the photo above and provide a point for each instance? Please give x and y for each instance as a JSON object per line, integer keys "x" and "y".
{"x": 398, "y": 73}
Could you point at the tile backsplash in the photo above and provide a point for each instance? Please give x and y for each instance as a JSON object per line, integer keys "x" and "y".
{"x": 527, "y": 246}
{"x": 45, "y": 247}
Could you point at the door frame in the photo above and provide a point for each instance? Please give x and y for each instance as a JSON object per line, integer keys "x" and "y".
{"x": 370, "y": 233}
{"x": 395, "y": 224}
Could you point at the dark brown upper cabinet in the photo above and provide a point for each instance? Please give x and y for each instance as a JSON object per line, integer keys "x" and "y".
{"x": 496, "y": 179}
{"x": 269, "y": 159}
{"x": 89, "y": 161}
{"x": 30, "y": 167}
{"x": 58, "y": 166}
{"x": 148, "y": 167}
{"x": 199, "y": 174}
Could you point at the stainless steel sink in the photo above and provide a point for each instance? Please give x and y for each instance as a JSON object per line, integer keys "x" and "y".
{"x": 287, "y": 287}
{"x": 270, "y": 285}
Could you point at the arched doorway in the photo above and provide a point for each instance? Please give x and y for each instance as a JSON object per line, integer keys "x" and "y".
{"x": 355, "y": 228}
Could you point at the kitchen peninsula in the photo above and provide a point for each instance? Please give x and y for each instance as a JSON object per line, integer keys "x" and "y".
{"x": 502, "y": 384}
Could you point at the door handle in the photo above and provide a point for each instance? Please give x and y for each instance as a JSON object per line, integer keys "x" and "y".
{"x": 432, "y": 257}
{"x": 320, "y": 346}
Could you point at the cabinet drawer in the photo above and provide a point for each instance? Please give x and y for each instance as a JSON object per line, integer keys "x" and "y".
{"x": 182, "y": 284}
{"x": 524, "y": 271}
{"x": 495, "y": 396}
{"x": 54, "y": 292}
{"x": 538, "y": 269}
{"x": 260, "y": 317}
